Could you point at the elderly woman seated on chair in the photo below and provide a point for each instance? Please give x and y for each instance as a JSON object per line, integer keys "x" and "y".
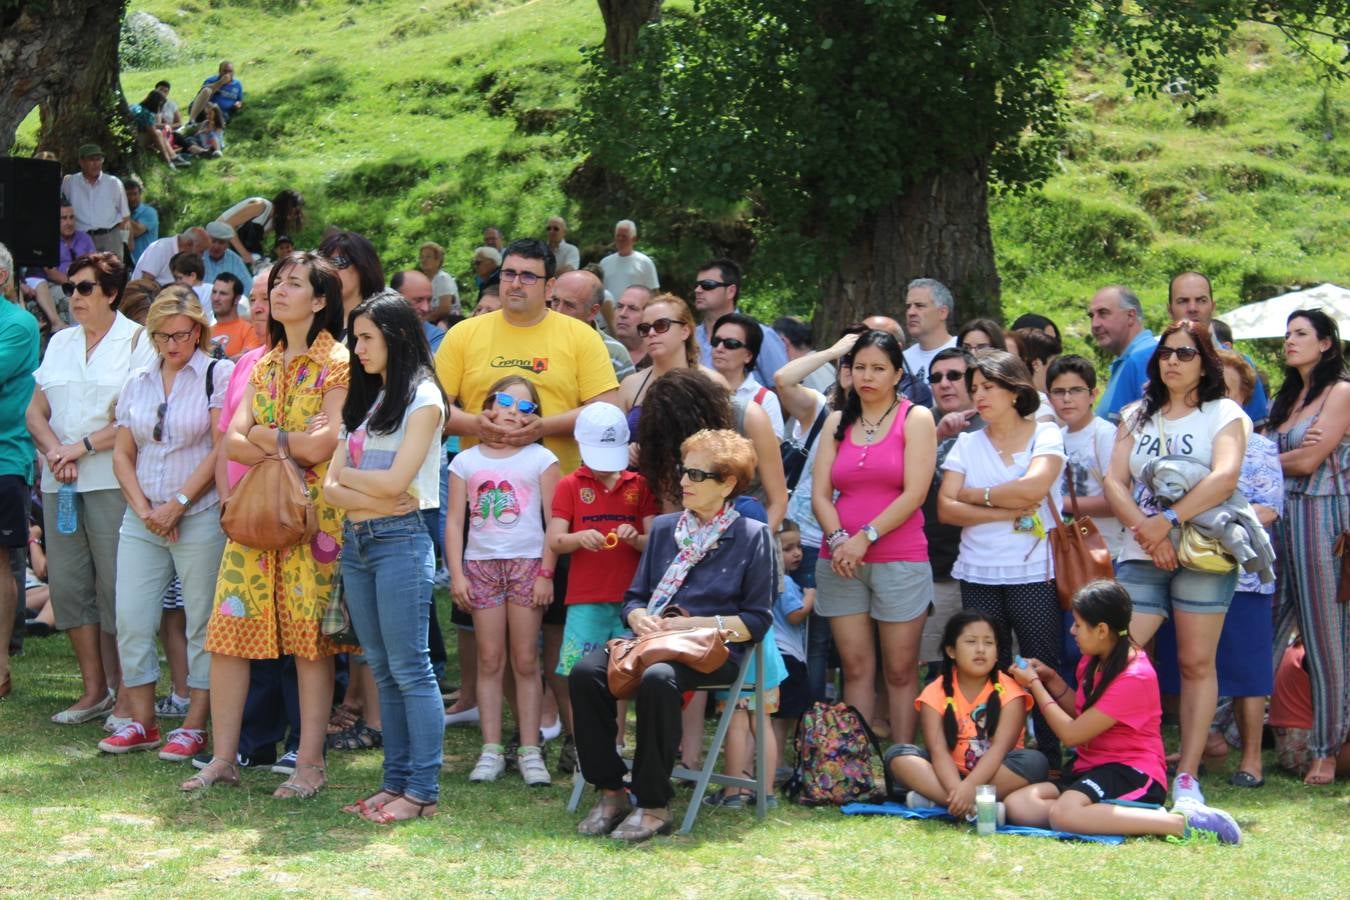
{"x": 717, "y": 567}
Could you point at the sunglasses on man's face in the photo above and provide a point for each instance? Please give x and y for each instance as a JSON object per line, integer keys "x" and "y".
{"x": 949, "y": 375}
{"x": 729, "y": 343}
{"x": 526, "y": 407}
{"x": 698, "y": 476}
{"x": 1185, "y": 354}
{"x": 709, "y": 284}
{"x": 660, "y": 326}
{"x": 85, "y": 288}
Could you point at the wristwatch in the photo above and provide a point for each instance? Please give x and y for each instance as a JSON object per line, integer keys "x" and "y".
{"x": 89, "y": 446}
{"x": 1170, "y": 515}
{"x": 183, "y": 499}
{"x": 870, "y": 532}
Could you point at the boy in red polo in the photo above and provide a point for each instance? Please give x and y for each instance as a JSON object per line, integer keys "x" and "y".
{"x": 601, "y": 515}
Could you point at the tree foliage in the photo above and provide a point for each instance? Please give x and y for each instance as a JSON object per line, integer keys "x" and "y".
{"x": 809, "y": 116}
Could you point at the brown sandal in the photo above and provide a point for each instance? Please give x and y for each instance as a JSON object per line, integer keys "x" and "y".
{"x": 604, "y": 817}
{"x": 635, "y": 830}
{"x": 226, "y": 773}
{"x": 382, "y": 816}
{"x": 343, "y": 717}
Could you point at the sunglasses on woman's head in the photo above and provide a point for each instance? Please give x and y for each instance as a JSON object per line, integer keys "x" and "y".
{"x": 660, "y": 326}
{"x": 85, "y": 288}
{"x": 698, "y": 476}
{"x": 340, "y": 261}
{"x": 526, "y": 407}
{"x": 1185, "y": 354}
{"x": 729, "y": 343}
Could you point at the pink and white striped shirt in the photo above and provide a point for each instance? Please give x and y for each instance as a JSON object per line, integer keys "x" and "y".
{"x": 163, "y": 466}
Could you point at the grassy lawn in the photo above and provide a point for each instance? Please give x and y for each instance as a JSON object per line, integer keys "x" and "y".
{"x": 77, "y": 822}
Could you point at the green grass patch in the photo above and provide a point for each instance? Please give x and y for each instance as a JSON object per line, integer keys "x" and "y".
{"x": 77, "y": 822}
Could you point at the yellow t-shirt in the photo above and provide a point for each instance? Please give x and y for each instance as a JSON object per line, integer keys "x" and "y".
{"x": 563, "y": 357}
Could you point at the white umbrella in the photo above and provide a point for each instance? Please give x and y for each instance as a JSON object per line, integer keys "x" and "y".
{"x": 1267, "y": 318}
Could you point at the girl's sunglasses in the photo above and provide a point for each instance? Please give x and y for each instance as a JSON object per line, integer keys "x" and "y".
{"x": 660, "y": 326}
{"x": 85, "y": 288}
{"x": 1185, "y": 354}
{"x": 698, "y": 476}
{"x": 526, "y": 407}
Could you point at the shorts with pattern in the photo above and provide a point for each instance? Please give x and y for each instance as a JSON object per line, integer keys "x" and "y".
{"x": 747, "y": 700}
{"x": 496, "y": 582}
{"x": 173, "y": 594}
{"x": 589, "y": 627}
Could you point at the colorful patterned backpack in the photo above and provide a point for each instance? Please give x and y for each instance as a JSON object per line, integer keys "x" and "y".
{"x": 838, "y": 759}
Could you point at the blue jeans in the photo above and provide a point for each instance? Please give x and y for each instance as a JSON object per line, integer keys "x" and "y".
{"x": 387, "y": 569}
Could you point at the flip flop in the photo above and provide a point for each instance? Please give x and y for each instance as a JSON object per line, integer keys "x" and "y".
{"x": 1245, "y": 779}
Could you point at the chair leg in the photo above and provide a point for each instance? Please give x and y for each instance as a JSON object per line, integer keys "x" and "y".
{"x": 714, "y": 750}
{"x": 763, "y": 779}
{"x": 578, "y": 788}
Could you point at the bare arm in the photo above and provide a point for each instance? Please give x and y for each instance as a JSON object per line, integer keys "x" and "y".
{"x": 1230, "y": 445}
{"x": 822, "y": 491}
{"x": 1028, "y": 490}
{"x": 800, "y": 402}
{"x": 944, "y": 767}
{"x": 1333, "y": 421}
{"x": 952, "y": 511}
{"x": 771, "y": 478}
{"x": 423, "y": 428}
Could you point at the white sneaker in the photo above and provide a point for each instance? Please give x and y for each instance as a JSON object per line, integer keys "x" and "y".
{"x": 1186, "y": 790}
{"x": 531, "y": 764}
{"x": 490, "y": 765}
{"x": 462, "y": 717}
{"x": 549, "y": 732}
{"x": 915, "y": 800}
{"x": 114, "y": 724}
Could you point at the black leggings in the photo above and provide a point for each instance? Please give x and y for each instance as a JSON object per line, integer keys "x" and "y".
{"x": 1032, "y": 612}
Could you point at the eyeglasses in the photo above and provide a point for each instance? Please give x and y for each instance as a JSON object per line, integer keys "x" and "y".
{"x": 177, "y": 337}
{"x": 1066, "y": 393}
{"x": 1185, "y": 354}
{"x": 526, "y": 407}
{"x": 729, "y": 343}
{"x": 525, "y": 278}
{"x": 949, "y": 375}
{"x": 709, "y": 284}
{"x": 660, "y": 326}
{"x": 340, "y": 262}
{"x": 159, "y": 421}
{"x": 698, "y": 476}
{"x": 85, "y": 288}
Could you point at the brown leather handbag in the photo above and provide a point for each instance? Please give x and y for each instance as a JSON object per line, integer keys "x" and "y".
{"x": 1080, "y": 552}
{"x": 270, "y": 509}
{"x": 701, "y": 649}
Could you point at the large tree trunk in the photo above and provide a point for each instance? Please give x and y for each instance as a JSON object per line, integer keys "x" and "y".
{"x": 623, "y": 21}
{"x": 62, "y": 54}
{"x": 939, "y": 228}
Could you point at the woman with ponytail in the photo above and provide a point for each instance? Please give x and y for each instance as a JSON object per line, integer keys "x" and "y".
{"x": 872, "y": 471}
{"x": 1114, "y": 720}
{"x": 977, "y": 713}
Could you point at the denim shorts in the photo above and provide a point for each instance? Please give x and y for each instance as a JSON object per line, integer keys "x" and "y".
{"x": 1158, "y": 593}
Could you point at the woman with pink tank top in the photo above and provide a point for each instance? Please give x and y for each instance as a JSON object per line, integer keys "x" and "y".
{"x": 878, "y": 454}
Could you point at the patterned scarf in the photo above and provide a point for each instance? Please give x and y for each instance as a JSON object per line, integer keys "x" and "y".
{"x": 694, "y": 541}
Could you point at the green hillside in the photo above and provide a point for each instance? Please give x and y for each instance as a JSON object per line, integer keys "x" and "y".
{"x": 428, "y": 120}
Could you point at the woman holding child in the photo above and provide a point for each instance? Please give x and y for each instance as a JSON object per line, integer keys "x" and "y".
{"x": 713, "y": 564}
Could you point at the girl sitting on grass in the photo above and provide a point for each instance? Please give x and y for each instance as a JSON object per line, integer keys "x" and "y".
{"x": 1114, "y": 719}
{"x": 503, "y": 577}
{"x": 976, "y": 714}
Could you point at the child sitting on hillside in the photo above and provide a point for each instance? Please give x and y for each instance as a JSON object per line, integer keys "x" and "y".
{"x": 976, "y": 715}
{"x": 1114, "y": 719}
{"x": 601, "y": 515}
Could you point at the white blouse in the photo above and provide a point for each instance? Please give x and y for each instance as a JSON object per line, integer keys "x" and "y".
{"x": 83, "y": 393}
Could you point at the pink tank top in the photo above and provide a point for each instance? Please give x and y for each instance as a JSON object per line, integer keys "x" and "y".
{"x": 868, "y": 479}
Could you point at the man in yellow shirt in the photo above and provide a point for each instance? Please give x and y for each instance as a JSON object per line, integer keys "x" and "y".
{"x": 564, "y": 358}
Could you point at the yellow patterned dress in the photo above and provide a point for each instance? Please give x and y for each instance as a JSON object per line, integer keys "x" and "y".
{"x": 269, "y": 602}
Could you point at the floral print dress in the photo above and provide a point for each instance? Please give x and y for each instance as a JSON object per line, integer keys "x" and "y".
{"x": 269, "y": 602}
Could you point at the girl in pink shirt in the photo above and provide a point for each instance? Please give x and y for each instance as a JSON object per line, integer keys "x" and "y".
{"x": 1115, "y": 720}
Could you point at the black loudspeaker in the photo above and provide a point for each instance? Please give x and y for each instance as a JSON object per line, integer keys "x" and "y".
{"x": 30, "y": 210}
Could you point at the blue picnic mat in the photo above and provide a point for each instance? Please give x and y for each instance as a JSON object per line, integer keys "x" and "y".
{"x": 890, "y": 808}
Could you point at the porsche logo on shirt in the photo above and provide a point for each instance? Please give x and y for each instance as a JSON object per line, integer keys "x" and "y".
{"x": 587, "y": 495}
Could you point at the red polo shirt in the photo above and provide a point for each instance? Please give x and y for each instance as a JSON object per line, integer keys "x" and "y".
{"x": 602, "y": 576}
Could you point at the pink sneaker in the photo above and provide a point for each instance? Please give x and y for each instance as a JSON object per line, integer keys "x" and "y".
{"x": 183, "y": 744}
{"x": 131, "y": 737}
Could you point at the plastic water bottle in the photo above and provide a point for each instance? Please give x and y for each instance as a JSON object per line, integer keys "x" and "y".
{"x": 986, "y": 810}
{"x": 67, "y": 517}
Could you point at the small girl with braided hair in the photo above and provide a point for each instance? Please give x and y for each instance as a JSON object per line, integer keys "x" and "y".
{"x": 977, "y": 714}
{"x": 1114, "y": 719}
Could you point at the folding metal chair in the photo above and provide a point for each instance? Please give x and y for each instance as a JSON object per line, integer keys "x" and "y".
{"x": 708, "y": 775}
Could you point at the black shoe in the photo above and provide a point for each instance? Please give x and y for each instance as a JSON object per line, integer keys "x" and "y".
{"x": 567, "y": 757}
{"x": 509, "y": 753}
